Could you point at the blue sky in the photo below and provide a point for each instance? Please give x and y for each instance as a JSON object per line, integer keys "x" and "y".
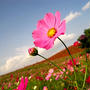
{"x": 18, "y": 18}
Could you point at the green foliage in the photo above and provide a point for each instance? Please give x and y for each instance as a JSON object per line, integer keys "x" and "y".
{"x": 87, "y": 32}
{"x": 51, "y": 84}
{"x": 85, "y": 39}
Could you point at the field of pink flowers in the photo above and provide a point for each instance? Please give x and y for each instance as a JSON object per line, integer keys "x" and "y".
{"x": 49, "y": 77}
{"x": 72, "y": 74}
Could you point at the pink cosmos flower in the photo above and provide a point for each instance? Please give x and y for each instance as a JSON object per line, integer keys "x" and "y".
{"x": 83, "y": 70}
{"x": 88, "y": 80}
{"x": 48, "y": 29}
{"x": 17, "y": 79}
{"x": 76, "y": 62}
{"x": 64, "y": 69}
{"x": 9, "y": 85}
{"x": 48, "y": 76}
{"x": 45, "y": 88}
{"x": 71, "y": 63}
{"x": 61, "y": 72}
{"x": 67, "y": 72}
{"x": 76, "y": 43}
{"x": 87, "y": 55}
{"x": 65, "y": 89}
{"x": 11, "y": 76}
{"x": 39, "y": 78}
{"x": 2, "y": 87}
{"x": 22, "y": 85}
{"x": 51, "y": 70}
{"x": 57, "y": 77}
{"x": 70, "y": 68}
{"x": 54, "y": 74}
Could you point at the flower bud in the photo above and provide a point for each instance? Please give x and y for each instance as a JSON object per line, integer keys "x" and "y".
{"x": 33, "y": 51}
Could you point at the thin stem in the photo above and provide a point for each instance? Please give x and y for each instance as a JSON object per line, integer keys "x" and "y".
{"x": 71, "y": 59}
{"x": 53, "y": 64}
{"x": 66, "y": 47}
{"x": 50, "y": 62}
{"x": 85, "y": 72}
{"x": 84, "y": 77}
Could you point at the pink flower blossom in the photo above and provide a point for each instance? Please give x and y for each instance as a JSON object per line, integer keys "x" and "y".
{"x": 87, "y": 55}
{"x": 9, "y": 85}
{"x": 48, "y": 29}
{"x": 71, "y": 63}
{"x": 17, "y": 79}
{"x": 54, "y": 74}
{"x": 51, "y": 70}
{"x": 64, "y": 69}
{"x": 22, "y": 85}
{"x": 76, "y": 43}
{"x": 65, "y": 89}
{"x": 45, "y": 88}
{"x": 2, "y": 87}
{"x": 11, "y": 76}
{"x": 39, "y": 78}
{"x": 48, "y": 76}
{"x": 67, "y": 72}
{"x": 61, "y": 72}
{"x": 88, "y": 80}
{"x": 88, "y": 88}
{"x": 70, "y": 68}
{"x": 83, "y": 70}
{"x": 76, "y": 62}
{"x": 57, "y": 77}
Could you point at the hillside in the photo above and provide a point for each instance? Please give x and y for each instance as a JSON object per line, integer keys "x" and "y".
{"x": 58, "y": 55}
{"x": 59, "y": 59}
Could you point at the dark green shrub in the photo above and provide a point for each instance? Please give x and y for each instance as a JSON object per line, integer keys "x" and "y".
{"x": 85, "y": 40}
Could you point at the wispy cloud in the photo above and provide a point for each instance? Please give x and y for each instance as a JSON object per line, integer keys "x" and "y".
{"x": 65, "y": 37}
{"x": 71, "y": 16}
{"x": 86, "y": 6}
{"x": 22, "y": 57}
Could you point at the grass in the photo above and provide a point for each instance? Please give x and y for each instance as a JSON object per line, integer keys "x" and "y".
{"x": 43, "y": 67}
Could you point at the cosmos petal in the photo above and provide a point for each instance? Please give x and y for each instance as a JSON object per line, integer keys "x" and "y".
{"x": 57, "y": 19}
{"x": 47, "y": 44}
{"x": 49, "y": 20}
{"x": 39, "y": 34}
{"x": 26, "y": 82}
{"x": 61, "y": 29}
{"x": 42, "y": 24}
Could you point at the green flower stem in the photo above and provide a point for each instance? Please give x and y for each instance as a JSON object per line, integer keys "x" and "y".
{"x": 84, "y": 77}
{"x": 71, "y": 59}
{"x": 85, "y": 72}
{"x": 66, "y": 48}
{"x": 53, "y": 64}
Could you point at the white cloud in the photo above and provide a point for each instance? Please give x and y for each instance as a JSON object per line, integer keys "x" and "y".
{"x": 65, "y": 37}
{"x": 86, "y": 6}
{"x": 22, "y": 57}
{"x": 89, "y": 26}
{"x": 72, "y": 16}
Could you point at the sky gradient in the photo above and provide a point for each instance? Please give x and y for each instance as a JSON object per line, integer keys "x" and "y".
{"x": 18, "y": 19}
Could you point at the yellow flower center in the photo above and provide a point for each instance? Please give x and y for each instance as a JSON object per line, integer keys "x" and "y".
{"x": 51, "y": 32}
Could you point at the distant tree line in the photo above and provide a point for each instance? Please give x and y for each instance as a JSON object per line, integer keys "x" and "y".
{"x": 85, "y": 40}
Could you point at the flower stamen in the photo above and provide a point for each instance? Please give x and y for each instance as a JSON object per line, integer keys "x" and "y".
{"x": 51, "y": 32}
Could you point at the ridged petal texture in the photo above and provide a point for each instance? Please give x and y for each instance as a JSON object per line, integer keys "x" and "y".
{"x": 43, "y": 26}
